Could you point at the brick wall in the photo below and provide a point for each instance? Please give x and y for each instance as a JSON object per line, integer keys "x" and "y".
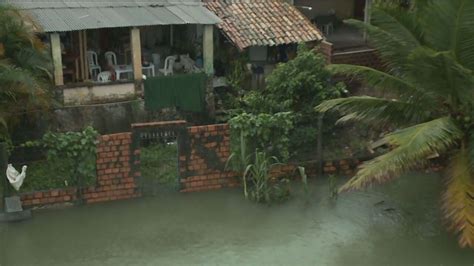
{"x": 115, "y": 178}
{"x": 366, "y": 57}
{"x": 203, "y": 154}
{"x": 326, "y": 49}
{"x": 207, "y": 148}
{"x": 362, "y": 57}
{"x": 202, "y": 162}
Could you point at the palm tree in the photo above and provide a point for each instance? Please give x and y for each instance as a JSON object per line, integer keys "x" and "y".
{"x": 25, "y": 68}
{"x": 429, "y": 55}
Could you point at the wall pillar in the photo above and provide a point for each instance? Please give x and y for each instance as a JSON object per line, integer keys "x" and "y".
{"x": 208, "y": 49}
{"x": 136, "y": 53}
{"x": 57, "y": 59}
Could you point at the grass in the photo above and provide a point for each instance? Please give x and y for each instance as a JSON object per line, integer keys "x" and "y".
{"x": 45, "y": 175}
{"x": 159, "y": 165}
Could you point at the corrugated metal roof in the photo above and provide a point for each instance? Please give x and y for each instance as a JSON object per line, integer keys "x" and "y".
{"x": 71, "y": 15}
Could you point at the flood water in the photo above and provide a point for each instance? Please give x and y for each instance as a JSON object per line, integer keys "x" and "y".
{"x": 396, "y": 224}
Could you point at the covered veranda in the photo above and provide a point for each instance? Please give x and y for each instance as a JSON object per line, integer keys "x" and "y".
{"x": 109, "y": 47}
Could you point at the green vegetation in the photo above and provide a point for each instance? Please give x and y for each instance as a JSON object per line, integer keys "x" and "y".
{"x": 71, "y": 156}
{"x": 52, "y": 174}
{"x": 159, "y": 165}
{"x": 265, "y": 132}
{"x": 25, "y": 70}
{"x": 297, "y": 86}
{"x": 429, "y": 50}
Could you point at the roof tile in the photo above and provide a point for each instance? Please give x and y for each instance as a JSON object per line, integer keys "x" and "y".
{"x": 262, "y": 22}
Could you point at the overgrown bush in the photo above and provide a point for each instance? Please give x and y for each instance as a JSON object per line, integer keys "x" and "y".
{"x": 297, "y": 86}
{"x": 72, "y": 154}
{"x": 265, "y": 132}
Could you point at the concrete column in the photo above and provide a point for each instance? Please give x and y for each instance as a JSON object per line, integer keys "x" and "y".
{"x": 136, "y": 54}
{"x": 57, "y": 59}
{"x": 208, "y": 49}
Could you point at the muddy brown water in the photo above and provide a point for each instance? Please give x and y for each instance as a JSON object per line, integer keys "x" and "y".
{"x": 395, "y": 224}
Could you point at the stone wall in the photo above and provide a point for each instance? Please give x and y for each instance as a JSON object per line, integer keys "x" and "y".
{"x": 115, "y": 177}
{"x": 202, "y": 163}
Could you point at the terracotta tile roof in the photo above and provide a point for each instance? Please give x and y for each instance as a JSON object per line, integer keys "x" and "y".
{"x": 262, "y": 22}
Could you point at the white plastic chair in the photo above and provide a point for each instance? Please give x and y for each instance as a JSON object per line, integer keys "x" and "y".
{"x": 111, "y": 58}
{"x": 188, "y": 64}
{"x": 105, "y": 76}
{"x": 93, "y": 61}
{"x": 169, "y": 66}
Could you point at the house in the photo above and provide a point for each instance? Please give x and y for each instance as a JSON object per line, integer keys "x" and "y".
{"x": 103, "y": 49}
{"x": 342, "y": 43}
{"x": 266, "y": 30}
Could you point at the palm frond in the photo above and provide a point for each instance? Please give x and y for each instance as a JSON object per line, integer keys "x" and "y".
{"x": 375, "y": 110}
{"x": 470, "y": 148}
{"x": 441, "y": 75}
{"x": 372, "y": 77}
{"x": 399, "y": 23}
{"x": 412, "y": 147}
{"x": 449, "y": 26}
{"x": 458, "y": 199}
{"x": 394, "y": 34}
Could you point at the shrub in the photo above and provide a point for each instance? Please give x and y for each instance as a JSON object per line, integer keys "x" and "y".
{"x": 73, "y": 152}
{"x": 296, "y": 86}
{"x": 265, "y": 132}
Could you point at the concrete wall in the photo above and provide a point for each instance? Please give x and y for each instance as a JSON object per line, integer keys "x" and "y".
{"x": 97, "y": 93}
{"x": 344, "y": 8}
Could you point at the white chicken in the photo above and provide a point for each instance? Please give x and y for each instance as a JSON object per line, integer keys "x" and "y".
{"x": 16, "y": 179}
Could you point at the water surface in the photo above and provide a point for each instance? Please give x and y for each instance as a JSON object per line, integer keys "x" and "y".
{"x": 396, "y": 224}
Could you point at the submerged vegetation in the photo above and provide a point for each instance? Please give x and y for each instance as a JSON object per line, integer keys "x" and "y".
{"x": 429, "y": 55}
{"x": 159, "y": 165}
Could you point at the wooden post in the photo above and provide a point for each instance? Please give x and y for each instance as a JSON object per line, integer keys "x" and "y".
{"x": 85, "y": 75}
{"x": 208, "y": 49}
{"x": 57, "y": 59}
{"x": 171, "y": 36}
{"x": 367, "y": 15}
{"x": 136, "y": 53}
{"x": 81, "y": 55}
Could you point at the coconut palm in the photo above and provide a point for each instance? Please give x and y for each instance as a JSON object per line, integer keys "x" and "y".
{"x": 25, "y": 76}
{"x": 429, "y": 55}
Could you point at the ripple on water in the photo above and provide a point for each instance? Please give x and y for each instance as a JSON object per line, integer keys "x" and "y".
{"x": 221, "y": 228}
